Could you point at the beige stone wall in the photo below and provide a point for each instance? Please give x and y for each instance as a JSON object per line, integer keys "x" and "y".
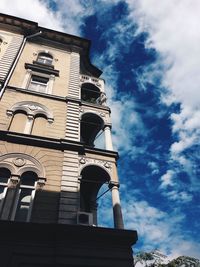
{"x": 61, "y": 62}
{"x": 51, "y": 160}
{"x": 53, "y": 130}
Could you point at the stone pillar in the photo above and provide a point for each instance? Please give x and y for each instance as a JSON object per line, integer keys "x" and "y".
{"x": 8, "y": 205}
{"x": 27, "y": 78}
{"x": 29, "y": 125}
{"x": 117, "y": 213}
{"x": 50, "y": 84}
{"x": 108, "y": 138}
{"x": 94, "y": 207}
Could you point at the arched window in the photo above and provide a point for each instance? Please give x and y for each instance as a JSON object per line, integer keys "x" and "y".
{"x": 93, "y": 177}
{"x": 26, "y": 193}
{"x": 18, "y": 185}
{"x": 18, "y": 122}
{"x": 91, "y": 124}
{"x": 90, "y": 93}
{"x": 45, "y": 58}
{"x": 39, "y": 125}
{"x": 4, "y": 177}
{"x": 29, "y": 118}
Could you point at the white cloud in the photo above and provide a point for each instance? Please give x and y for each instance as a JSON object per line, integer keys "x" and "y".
{"x": 34, "y": 10}
{"x": 159, "y": 229}
{"x": 173, "y": 32}
{"x": 167, "y": 179}
{"x": 154, "y": 167}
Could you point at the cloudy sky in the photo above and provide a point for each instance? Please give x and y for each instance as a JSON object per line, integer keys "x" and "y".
{"x": 149, "y": 51}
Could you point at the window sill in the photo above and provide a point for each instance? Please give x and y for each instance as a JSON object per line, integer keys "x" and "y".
{"x": 42, "y": 69}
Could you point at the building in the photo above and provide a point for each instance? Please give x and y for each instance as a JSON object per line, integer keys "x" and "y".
{"x": 52, "y": 107}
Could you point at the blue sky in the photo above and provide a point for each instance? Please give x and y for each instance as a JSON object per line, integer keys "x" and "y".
{"x": 149, "y": 53}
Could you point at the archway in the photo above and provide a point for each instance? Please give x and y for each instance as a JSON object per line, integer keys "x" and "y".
{"x": 91, "y": 124}
{"x": 89, "y": 93}
{"x": 93, "y": 177}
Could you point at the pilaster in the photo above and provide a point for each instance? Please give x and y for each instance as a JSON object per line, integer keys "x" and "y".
{"x": 69, "y": 196}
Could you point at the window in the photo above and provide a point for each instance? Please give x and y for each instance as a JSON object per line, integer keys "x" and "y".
{"x": 16, "y": 201}
{"x": 4, "y": 176}
{"x": 93, "y": 177}
{"x": 91, "y": 125}
{"x": 38, "y": 84}
{"x": 45, "y": 58}
{"x": 30, "y": 117}
{"x": 26, "y": 193}
{"x": 90, "y": 93}
{"x": 18, "y": 123}
{"x": 29, "y": 124}
{"x": 39, "y": 126}
{"x": 18, "y": 185}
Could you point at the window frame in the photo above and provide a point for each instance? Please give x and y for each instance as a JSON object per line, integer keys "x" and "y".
{"x": 5, "y": 185}
{"x": 38, "y": 83}
{"x": 44, "y": 57}
{"x": 17, "y": 199}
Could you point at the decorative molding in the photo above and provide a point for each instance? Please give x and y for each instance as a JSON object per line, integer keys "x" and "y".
{"x": 31, "y": 108}
{"x": 39, "y": 68}
{"x": 13, "y": 182}
{"x": 19, "y": 162}
{"x": 82, "y": 160}
{"x": 102, "y": 114}
{"x": 106, "y": 165}
{"x": 40, "y": 184}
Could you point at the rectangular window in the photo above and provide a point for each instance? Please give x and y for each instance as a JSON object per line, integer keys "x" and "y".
{"x": 38, "y": 84}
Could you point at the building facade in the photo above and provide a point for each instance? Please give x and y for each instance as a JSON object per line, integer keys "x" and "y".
{"x": 52, "y": 109}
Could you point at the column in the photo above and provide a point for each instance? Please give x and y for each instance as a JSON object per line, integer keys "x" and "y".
{"x": 10, "y": 201}
{"x": 29, "y": 124}
{"x": 93, "y": 208}
{"x": 27, "y": 78}
{"x": 50, "y": 84}
{"x": 108, "y": 138}
{"x": 117, "y": 213}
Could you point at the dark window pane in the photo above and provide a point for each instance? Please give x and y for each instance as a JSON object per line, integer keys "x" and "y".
{"x": 23, "y": 205}
{"x": 28, "y": 178}
{"x": 4, "y": 175}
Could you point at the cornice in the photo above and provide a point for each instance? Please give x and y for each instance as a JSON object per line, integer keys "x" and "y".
{"x": 59, "y": 98}
{"x": 53, "y": 143}
{"x": 76, "y": 44}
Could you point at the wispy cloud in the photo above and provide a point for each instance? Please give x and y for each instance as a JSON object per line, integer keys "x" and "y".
{"x": 173, "y": 32}
{"x": 35, "y": 10}
{"x": 159, "y": 229}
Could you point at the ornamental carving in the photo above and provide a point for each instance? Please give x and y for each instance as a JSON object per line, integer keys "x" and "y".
{"x": 82, "y": 160}
{"x": 32, "y": 107}
{"x": 40, "y": 184}
{"x": 13, "y": 182}
{"x": 107, "y": 165}
{"x": 102, "y": 114}
{"x": 19, "y": 162}
{"x": 102, "y": 163}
